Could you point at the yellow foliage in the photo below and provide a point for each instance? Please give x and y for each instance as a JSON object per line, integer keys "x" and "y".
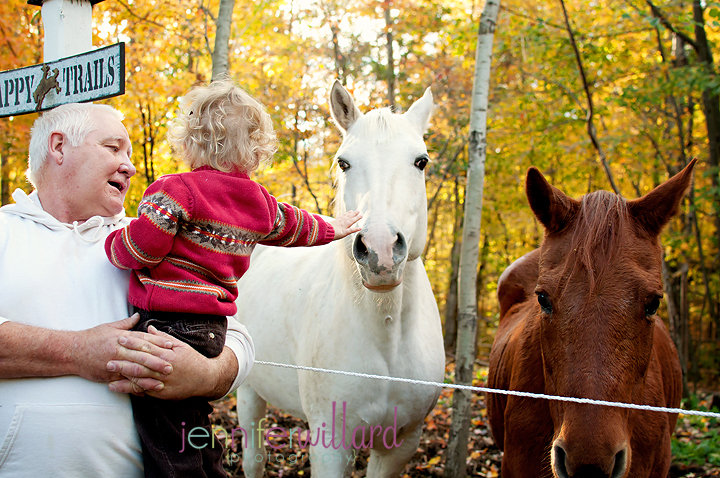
{"x": 286, "y": 54}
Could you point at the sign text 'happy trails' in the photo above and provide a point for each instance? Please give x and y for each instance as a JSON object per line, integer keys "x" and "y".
{"x": 89, "y": 76}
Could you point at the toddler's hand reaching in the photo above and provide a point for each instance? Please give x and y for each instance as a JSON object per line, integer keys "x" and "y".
{"x": 344, "y": 224}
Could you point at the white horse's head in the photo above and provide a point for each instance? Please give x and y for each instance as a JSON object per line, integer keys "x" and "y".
{"x": 379, "y": 171}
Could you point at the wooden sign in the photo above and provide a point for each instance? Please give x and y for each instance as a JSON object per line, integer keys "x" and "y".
{"x": 89, "y": 76}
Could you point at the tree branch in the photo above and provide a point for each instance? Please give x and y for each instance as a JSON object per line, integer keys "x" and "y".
{"x": 307, "y": 182}
{"x": 550, "y": 81}
{"x": 142, "y": 19}
{"x": 590, "y": 126}
{"x": 7, "y": 42}
{"x": 666, "y": 23}
{"x": 447, "y": 172}
{"x": 542, "y": 21}
{"x": 531, "y": 18}
{"x": 206, "y": 12}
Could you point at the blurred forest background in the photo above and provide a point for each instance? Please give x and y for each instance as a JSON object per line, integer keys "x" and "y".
{"x": 649, "y": 71}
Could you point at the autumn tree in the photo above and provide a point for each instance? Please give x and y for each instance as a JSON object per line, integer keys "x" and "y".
{"x": 645, "y": 68}
{"x": 467, "y": 304}
{"x": 20, "y": 45}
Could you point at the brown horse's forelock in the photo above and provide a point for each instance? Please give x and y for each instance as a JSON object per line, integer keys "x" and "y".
{"x": 599, "y": 231}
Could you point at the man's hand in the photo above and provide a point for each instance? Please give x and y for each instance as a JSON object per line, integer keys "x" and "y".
{"x": 344, "y": 224}
{"x": 193, "y": 375}
{"x": 93, "y": 348}
{"x": 29, "y": 351}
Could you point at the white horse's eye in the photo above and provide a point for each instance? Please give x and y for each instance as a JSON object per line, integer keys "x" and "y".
{"x": 344, "y": 165}
{"x": 421, "y": 162}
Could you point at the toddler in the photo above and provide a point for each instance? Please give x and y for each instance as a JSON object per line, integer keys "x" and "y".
{"x": 192, "y": 242}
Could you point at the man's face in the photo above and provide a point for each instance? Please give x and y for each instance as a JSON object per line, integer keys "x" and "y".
{"x": 97, "y": 172}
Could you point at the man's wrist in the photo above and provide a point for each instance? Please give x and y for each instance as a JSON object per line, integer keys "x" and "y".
{"x": 225, "y": 368}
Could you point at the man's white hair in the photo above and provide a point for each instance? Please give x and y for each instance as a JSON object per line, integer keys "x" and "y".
{"x": 74, "y": 120}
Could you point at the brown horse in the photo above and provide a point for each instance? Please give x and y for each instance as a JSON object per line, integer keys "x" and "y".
{"x": 578, "y": 319}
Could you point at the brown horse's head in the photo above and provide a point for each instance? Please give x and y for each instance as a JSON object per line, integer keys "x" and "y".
{"x": 598, "y": 291}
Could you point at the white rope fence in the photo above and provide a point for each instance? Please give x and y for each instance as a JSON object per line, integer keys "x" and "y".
{"x": 495, "y": 390}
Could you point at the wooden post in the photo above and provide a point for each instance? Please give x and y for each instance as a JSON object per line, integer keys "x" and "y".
{"x": 67, "y": 25}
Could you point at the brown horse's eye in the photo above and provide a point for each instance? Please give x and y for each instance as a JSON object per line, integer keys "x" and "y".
{"x": 544, "y": 302}
{"x": 652, "y": 307}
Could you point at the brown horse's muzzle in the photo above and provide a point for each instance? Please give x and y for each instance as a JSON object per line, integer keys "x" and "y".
{"x": 584, "y": 463}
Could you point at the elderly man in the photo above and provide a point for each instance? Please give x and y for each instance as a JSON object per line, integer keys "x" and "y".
{"x": 64, "y": 331}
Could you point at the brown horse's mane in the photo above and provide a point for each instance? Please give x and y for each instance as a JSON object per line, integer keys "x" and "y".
{"x": 600, "y": 228}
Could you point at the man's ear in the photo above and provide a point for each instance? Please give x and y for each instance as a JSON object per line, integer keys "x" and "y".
{"x": 56, "y": 144}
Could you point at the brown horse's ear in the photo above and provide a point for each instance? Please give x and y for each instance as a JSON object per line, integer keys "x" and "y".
{"x": 655, "y": 209}
{"x": 551, "y": 206}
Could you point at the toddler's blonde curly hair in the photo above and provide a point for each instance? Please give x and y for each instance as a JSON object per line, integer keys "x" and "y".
{"x": 222, "y": 126}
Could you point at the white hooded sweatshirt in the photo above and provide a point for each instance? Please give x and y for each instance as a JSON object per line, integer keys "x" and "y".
{"x": 57, "y": 276}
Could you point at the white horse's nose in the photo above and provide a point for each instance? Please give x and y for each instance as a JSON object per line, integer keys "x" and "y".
{"x": 380, "y": 252}
{"x": 380, "y": 257}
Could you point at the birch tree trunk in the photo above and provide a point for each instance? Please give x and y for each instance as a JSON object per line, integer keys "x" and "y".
{"x": 467, "y": 306}
{"x": 220, "y": 58}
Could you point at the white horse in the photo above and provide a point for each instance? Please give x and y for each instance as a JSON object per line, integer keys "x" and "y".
{"x": 362, "y": 304}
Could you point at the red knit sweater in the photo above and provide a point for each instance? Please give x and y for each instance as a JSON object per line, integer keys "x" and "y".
{"x": 193, "y": 237}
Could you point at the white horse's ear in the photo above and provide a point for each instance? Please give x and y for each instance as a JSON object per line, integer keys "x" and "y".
{"x": 419, "y": 113}
{"x": 342, "y": 107}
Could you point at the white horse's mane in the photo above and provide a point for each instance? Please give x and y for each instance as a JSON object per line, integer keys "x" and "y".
{"x": 378, "y": 121}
